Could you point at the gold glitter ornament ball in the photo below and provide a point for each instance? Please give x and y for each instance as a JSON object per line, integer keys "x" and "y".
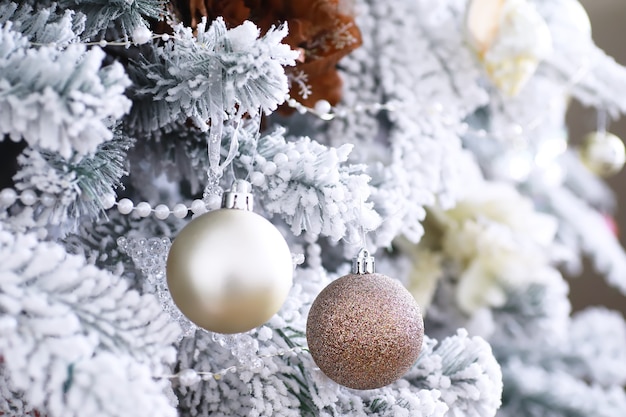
{"x": 365, "y": 330}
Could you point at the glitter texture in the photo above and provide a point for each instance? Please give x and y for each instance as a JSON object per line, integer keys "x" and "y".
{"x": 365, "y": 331}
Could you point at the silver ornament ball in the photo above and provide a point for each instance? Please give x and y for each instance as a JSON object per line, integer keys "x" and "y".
{"x": 229, "y": 270}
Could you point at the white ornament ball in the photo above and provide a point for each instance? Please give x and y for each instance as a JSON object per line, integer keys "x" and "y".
{"x": 229, "y": 270}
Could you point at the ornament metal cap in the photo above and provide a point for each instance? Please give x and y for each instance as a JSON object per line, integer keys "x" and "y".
{"x": 239, "y": 196}
{"x": 363, "y": 263}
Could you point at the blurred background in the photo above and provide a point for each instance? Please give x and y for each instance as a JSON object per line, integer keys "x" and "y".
{"x": 608, "y": 20}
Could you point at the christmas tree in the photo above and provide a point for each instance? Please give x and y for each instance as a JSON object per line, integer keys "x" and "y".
{"x": 139, "y": 276}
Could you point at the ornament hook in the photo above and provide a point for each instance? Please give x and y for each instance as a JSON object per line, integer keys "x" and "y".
{"x": 239, "y": 196}
{"x": 363, "y": 263}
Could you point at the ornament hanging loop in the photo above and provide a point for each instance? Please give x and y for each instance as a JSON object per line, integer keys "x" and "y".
{"x": 603, "y": 122}
{"x": 363, "y": 263}
{"x": 239, "y": 196}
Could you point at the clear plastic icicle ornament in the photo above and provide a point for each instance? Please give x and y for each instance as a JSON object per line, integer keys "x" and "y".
{"x": 213, "y": 191}
{"x": 212, "y": 194}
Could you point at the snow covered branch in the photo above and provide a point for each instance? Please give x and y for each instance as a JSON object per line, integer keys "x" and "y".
{"x": 73, "y": 336}
{"x": 226, "y": 73}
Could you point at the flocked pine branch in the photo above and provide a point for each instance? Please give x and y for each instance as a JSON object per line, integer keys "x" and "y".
{"x": 74, "y": 337}
{"x": 592, "y": 234}
{"x": 464, "y": 370}
{"x": 59, "y": 186}
{"x": 126, "y": 15}
{"x": 314, "y": 188}
{"x": 533, "y": 315}
{"x": 532, "y": 391}
{"x": 605, "y": 86}
{"x": 11, "y": 403}
{"x": 43, "y": 25}
{"x": 96, "y": 241}
{"x": 280, "y": 387}
{"x": 398, "y": 402}
{"x": 534, "y": 335}
{"x": 58, "y": 100}
{"x": 213, "y": 75}
{"x": 594, "y": 77}
{"x": 178, "y": 154}
{"x": 260, "y": 392}
{"x": 598, "y": 341}
{"x": 414, "y": 155}
{"x": 574, "y": 350}
{"x": 587, "y": 186}
{"x": 77, "y": 186}
{"x": 428, "y": 40}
